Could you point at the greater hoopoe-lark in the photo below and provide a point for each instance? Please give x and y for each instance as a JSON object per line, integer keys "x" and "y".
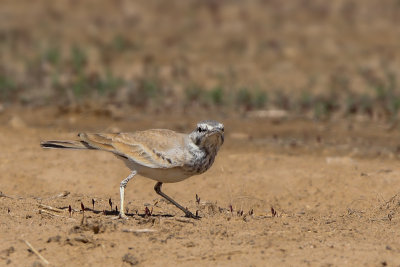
{"x": 159, "y": 154}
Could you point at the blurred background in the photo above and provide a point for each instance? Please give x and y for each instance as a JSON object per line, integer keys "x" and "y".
{"x": 314, "y": 58}
{"x": 308, "y": 91}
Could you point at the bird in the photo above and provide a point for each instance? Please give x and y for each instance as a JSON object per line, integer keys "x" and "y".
{"x": 162, "y": 155}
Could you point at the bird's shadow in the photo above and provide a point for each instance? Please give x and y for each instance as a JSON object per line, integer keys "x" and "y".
{"x": 143, "y": 215}
{"x": 116, "y": 213}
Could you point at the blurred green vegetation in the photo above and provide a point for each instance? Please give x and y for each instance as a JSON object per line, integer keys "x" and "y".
{"x": 241, "y": 56}
{"x": 68, "y": 73}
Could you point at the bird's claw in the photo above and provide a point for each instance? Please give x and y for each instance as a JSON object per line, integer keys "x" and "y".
{"x": 123, "y": 216}
{"x": 191, "y": 215}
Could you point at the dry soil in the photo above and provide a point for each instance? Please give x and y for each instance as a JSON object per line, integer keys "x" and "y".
{"x": 289, "y": 192}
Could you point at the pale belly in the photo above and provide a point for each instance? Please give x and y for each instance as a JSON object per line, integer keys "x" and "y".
{"x": 171, "y": 175}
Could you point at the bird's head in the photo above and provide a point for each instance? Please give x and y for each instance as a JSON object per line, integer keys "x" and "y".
{"x": 208, "y": 135}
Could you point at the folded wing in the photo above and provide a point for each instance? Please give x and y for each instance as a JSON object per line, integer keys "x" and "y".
{"x": 156, "y": 148}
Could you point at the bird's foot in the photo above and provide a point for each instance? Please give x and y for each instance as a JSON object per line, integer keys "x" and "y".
{"x": 121, "y": 216}
{"x": 188, "y": 214}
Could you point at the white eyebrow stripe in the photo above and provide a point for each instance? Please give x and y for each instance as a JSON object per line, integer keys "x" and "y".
{"x": 209, "y": 127}
{"x": 206, "y": 126}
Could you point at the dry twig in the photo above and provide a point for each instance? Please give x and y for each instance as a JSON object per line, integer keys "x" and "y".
{"x": 50, "y": 208}
{"x": 36, "y": 252}
{"x": 4, "y": 195}
{"x": 62, "y": 194}
{"x": 145, "y": 230}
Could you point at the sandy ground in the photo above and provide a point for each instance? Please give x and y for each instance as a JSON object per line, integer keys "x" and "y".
{"x": 333, "y": 186}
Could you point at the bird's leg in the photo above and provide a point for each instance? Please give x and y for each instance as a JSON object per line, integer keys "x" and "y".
{"x": 122, "y": 193}
{"x": 188, "y": 214}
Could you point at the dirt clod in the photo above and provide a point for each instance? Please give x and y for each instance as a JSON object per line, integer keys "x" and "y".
{"x": 56, "y": 238}
{"x": 130, "y": 259}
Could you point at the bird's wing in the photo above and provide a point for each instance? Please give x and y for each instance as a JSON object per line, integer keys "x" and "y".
{"x": 102, "y": 141}
{"x": 157, "y": 148}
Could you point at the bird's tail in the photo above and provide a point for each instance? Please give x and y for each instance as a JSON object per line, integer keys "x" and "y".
{"x": 66, "y": 144}
{"x": 88, "y": 141}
